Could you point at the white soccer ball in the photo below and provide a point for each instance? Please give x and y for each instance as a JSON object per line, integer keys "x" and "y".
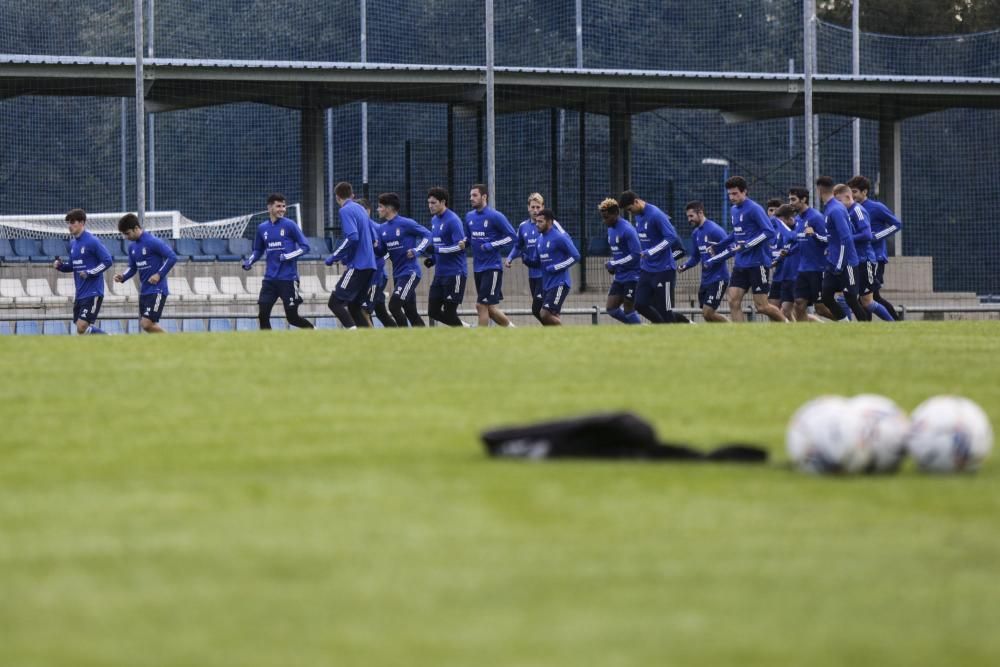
{"x": 949, "y": 434}
{"x": 824, "y": 437}
{"x": 884, "y": 427}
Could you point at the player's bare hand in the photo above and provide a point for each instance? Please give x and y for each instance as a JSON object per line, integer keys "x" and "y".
{"x": 810, "y": 231}
{"x": 119, "y": 278}
{"x": 506, "y": 264}
{"x": 83, "y": 275}
{"x": 154, "y": 279}
{"x": 461, "y": 244}
{"x": 56, "y": 263}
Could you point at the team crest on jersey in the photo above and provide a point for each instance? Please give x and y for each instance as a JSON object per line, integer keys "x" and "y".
{"x": 144, "y": 251}
{"x": 265, "y": 236}
{"x": 397, "y": 231}
{"x": 486, "y": 224}
{"x": 282, "y": 232}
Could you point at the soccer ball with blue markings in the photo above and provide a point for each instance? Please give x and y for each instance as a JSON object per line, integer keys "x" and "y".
{"x": 884, "y": 427}
{"x": 949, "y": 434}
{"x": 825, "y": 436}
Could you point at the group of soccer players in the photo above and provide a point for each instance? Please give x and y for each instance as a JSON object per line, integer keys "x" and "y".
{"x": 833, "y": 261}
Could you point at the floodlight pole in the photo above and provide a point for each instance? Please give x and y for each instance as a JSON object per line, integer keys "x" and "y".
{"x": 856, "y": 70}
{"x": 140, "y": 117}
{"x": 152, "y": 125}
{"x": 579, "y": 34}
{"x": 364, "y": 105}
{"x": 490, "y": 109}
{"x": 808, "y": 49}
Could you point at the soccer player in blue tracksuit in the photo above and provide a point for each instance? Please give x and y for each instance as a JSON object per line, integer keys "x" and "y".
{"x": 810, "y": 245}
{"x": 705, "y": 234}
{"x": 863, "y": 239}
{"x": 404, "y": 239}
{"x": 556, "y": 252}
{"x": 841, "y": 256}
{"x": 787, "y": 260}
{"x": 152, "y": 258}
{"x": 374, "y": 301}
{"x": 450, "y": 267}
{"x": 280, "y": 242}
{"x": 525, "y": 247}
{"x": 88, "y": 259}
{"x": 626, "y": 253}
{"x": 777, "y": 268}
{"x": 357, "y": 253}
{"x": 884, "y": 224}
{"x": 654, "y": 290}
{"x": 489, "y": 232}
{"x": 749, "y": 243}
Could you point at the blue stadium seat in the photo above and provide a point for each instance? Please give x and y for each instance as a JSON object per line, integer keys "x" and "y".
{"x": 114, "y": 246}
{"x": 220, "y": 324}
{"x": 28, "y": 328}
{"x": 219, "y": 248}
{"x": 7, "y": 254}
{"x": 187, "y": 248}
{"x": 170, "y": 325}
{"x": 317, "y": 248}
{"x": 55, "y": 328}
{"x": 31, "y": 250}
{"x": 6, "y": 326}
{"x": 194, "y": 325}
{"x": 52, "y": 248}
{"x": 246, "y": 324}
{"x": 326, "y": 322}
{"x": 598, "y": 246}
{"x": 278, "y": 323}
{"x": 240, "y": 247}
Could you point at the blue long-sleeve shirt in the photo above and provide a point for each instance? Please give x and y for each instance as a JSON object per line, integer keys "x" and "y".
{"x": 626, "y": 251}
{"x": 280, "y": 242}
{"x": 840, "y": 252}
{"x": 884, "y": 224}
{"x": 752, "y": 229}
{"x": 89, "y": 257}
{"x": 399, "y": 236}
{"x": 787, "y": 266}
{"x": 556, "y": 252}
{"x": 357, "y": 249}
{"x": 489, "y": 232}
{"x": 149, "y": 255}
{"x": 656, "y": 239}
{"x": 811, "y": 249}
{"x": 862, "y": 233}
{"x": 447, "y": 231}
{"x": 379, "y": 251}
{"x": 703, "y": 237}
{"x": 526, "y": 247}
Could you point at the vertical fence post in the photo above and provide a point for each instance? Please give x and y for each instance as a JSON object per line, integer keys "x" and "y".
{"x": 140, "y": 117}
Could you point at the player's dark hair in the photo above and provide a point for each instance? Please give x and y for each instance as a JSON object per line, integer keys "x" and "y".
{"x": 737, "y": 182}
{"x": 800, "y": 192}
{"x": 343, "y": 190}
{"x": 774, "y": 203}
{"x": 860, "y": 183}
{"x": 825, "y": 182}
{"x": 695, "y": 206}
{"x": 439, "y": 193}
{"x": 76, "y": 215}
{"x": 390, "y": 199}
{"x": 482, "y": 189}
{"x": 275, "y": 196}
{"x": 785, "y": 211}
{"x": 547, "y": 213}
{"x": 127, "y": 222}
{"x": 627, "y": 198}
{"x": 364, "y": 203}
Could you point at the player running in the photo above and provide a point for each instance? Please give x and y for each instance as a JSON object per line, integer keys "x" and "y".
{"x": 88, "y": 259}
{"x": 556, "y": 253}
{"x": 152, "y": 258}
{"x": 626, "y": 254}
{"x": 705, "y": 234}
{"x": 489, "y": 232}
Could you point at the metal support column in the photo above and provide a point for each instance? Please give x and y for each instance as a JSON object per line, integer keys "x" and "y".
{"x": 890, "y": 135}
{"x": 313, "y": 186}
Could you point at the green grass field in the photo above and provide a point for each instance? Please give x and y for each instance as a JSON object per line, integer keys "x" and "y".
{"x": 318, "y": 498}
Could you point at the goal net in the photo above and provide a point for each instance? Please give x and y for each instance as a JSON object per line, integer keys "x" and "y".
{"x": 165, "y": 224}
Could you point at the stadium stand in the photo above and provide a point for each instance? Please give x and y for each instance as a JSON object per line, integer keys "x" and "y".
{"x": 6, "y": 328}
{"x": 187, "y": 248}
{"x": 12, "y": 288}
{"x": 8, "y": 255}
{"x": 240, "y": 247}
{"x": 55, "y": 328}
{"x": 326, "y": 323}
{"x": 112, "y": 326}
{"x": 30, "y": 250}
{"x": 219, "y": 248}
{"x": 55, "y": 247}
{"x": 234, "y": 286}
{"x": 220, "y": 324}
{"x": 194, "y": 325}
{"x": 181, "y": 289}
{"x": 39, "y": 287}
{"x": 27, "y": 328}
{"x": 318, "y": 249}
{"x": 310, "y": 287}
{"x": 205, "y": 285}
{"x": 66, "y": 287}
{"x": 246, "y": 324}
